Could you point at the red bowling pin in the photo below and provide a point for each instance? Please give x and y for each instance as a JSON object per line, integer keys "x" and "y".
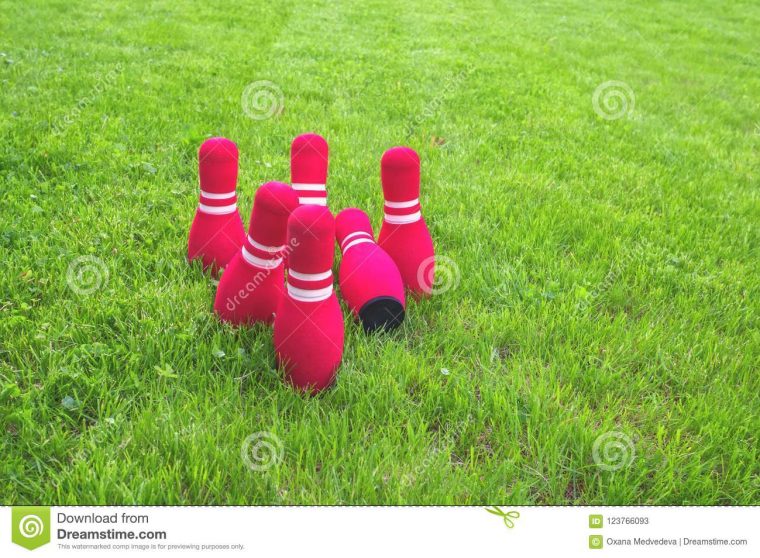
{"x": 308, "y": 325}
{"x": 369, "y": 279}
{"x": 308, "y": 169}
{"x": 217, "y": 230}
{"x": 253, "y": 282}
{"x": 404, "y": 234}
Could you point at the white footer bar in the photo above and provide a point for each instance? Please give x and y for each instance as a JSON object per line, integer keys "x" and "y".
{"x": 406, "y": 531}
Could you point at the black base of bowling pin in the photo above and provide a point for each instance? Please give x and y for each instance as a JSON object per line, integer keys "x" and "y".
{"x": 383, "y": 312}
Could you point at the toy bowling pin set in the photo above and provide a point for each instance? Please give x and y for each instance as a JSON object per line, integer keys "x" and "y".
{"x": 281, "y": 271}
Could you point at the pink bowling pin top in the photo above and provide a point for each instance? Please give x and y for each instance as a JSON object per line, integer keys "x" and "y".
{"x": 218, "y": 171}
{"x": 253, "y": 282}
{"x": 308, "y": 326}
{"x": 311, "y": 230}
{"x": 352, "y": 227}
{"x": 265, "y": 242}
{"x": 308, "y": 168}
{"x": 404, "y": 234}
{"x": 216, "y": 233}
{"x": 400, "y": 175}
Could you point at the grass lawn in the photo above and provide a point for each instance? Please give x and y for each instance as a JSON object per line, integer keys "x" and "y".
{"x": 590, "y": 179}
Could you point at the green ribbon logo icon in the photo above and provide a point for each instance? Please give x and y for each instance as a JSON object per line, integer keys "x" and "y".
{"x": 30, "y": 526}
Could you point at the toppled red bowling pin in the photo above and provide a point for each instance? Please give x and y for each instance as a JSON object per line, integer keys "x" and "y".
{"x": 404, "y": 234}
{"x": 254, "y": 281}
{"x": 369, "y": 279}
{"x": 308, "y": 169}
{"x": 217, "y": 230}
{"x": 308, "y": 325}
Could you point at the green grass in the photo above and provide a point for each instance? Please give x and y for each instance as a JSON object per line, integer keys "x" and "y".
{"x": 610, "y": 269}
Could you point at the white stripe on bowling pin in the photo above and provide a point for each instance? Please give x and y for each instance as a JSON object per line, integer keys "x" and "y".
{"x": 402, "y": 219}
{"x": 270, "y": 249}
{"x": 309, "y": 276}
{"x": 260, "y": 262}
{"x": 305, "y": 187}
{"x": 355, "y": 242}
{"x": 310, "y": 295}
{"x": 213, "y": 196}
{"x": 364, "y": 236}
{"x": 310, "y": 200}
{"x": 217, "y": 210}
{"x": 357, "y": 233}
{"x": 401, "y": 205}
